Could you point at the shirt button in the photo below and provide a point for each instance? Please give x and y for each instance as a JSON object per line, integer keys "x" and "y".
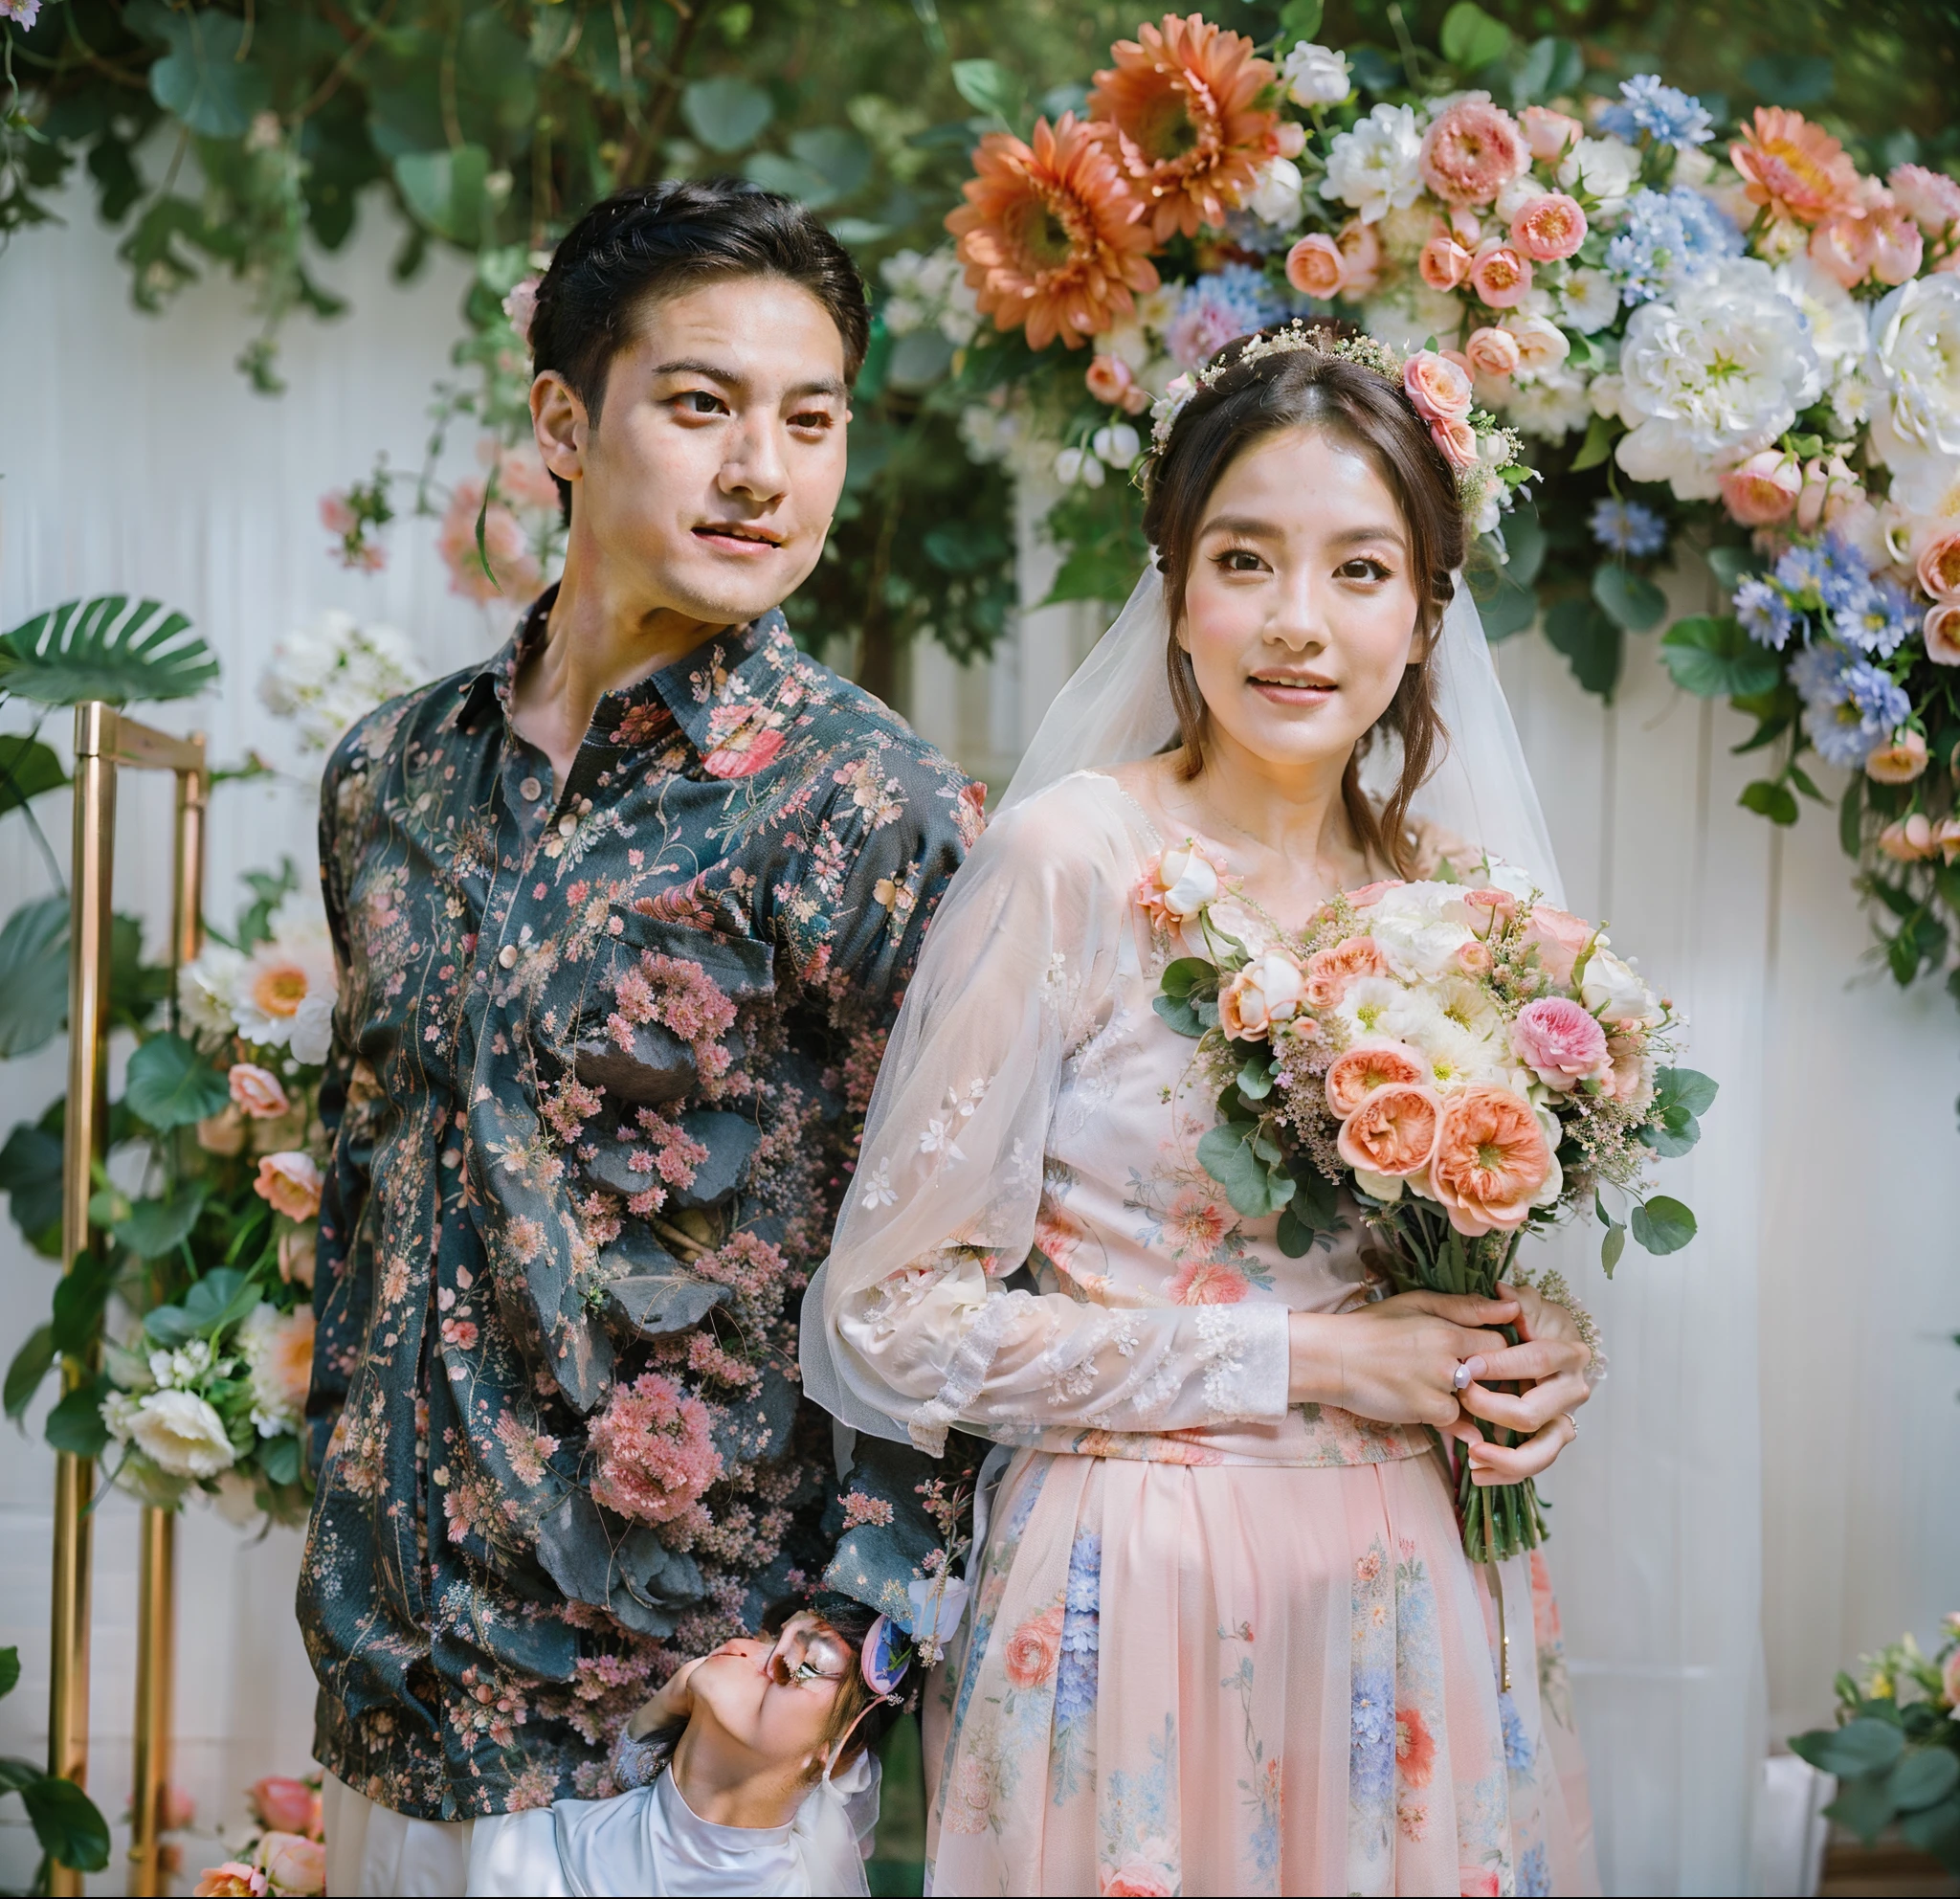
{"x": 507, "y": 956}
{"x": 567, "y": 825}
{"x": 530, "y": 791}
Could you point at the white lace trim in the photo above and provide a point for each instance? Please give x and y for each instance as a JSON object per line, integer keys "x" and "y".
{"x": 971, "y": 1363}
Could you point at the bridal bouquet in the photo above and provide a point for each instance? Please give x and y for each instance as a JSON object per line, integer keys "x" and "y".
{"x": 1463, "y": 1060}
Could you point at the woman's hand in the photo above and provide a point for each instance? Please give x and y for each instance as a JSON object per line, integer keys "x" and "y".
{"x": 1396, "y": 1359}
{"x": 674, "y": 1702}
{"x": 1551, "y": 1360}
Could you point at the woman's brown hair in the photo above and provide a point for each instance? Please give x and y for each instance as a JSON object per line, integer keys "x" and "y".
{"x": 1308, "y": 389}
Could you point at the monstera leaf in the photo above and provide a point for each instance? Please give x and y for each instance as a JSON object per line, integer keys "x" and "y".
{"x": 105, "y": 648}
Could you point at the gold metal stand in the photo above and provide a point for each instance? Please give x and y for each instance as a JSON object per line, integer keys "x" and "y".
{"x": 105, "y": 740}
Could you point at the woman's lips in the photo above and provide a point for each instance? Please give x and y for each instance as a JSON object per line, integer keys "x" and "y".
{"x": 1293, "y": 692}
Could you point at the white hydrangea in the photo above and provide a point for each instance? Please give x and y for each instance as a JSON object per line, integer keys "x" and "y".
{"x": 326, "y": 676}
{"x": 930, "y": 291}
{"x": 1550, "y": 403}
{"x": 1716, "y": 374}
{"x": 1588, "y": 301}
{"x": 1275, "y": 196}
{"x": 1375, "y": 169}
{"x": 1607, "y": 170}
{"x": 1315, "y": 75}
{"x": 1914, "y": 370}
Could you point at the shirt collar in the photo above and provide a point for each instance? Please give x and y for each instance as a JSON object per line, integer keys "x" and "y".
{"x": 707, "y": 692}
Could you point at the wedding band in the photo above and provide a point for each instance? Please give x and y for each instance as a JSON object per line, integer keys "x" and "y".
{"x": 1574, "y": 1423}
{"x": 1459, "y": 1378}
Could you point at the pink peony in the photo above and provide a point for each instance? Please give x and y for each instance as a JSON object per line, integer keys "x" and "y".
{"x": 1493, "y": 351}
{"x": 1491, "y": 1159}
{"x": 179, "y": 1809}
{"x": 1558, "y": 936}
{"x": 1316, "y": 268}
{"x": 1764, "y": 489}
{"x": 1356, "y": 1074}
{"x": 1898, "y": 250}
{"x": 1942, "y": 634}
{"x": 1457, "y": 441}
{"x": 1444, "y": 262}
{"x": 1472, "y": 151}
{"x": 1899, "y": 763}
{"x": 1500, "y": 273}
{"x": 292, "y": 1863}
{"x": 234, "y": 1879}
{"x": 284, "y": 1806}
{"x": 291, "y": 1183}
{"x": 1549, "y": 229}
{"x": 1437, "y": 389}
{"x": 1392, "y": 1131}
{"x": 1034, "y": 1650}
{"x": 1939, "y": 567}
{"x": 1843, "y": 245}
{"x": 1550, "y": 134}
{"x": 655, "y": 1450}
{"x": 1929, "y": 198}
{"x": 1559, "y": 1042}
{"x": 257, "y": 1091}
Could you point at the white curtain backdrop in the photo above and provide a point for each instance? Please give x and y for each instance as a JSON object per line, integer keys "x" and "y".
{"x": 1763, "y": 1489}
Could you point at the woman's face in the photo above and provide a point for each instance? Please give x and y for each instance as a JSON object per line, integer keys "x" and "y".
{"x": 775, "y": 1698}
{"x": 1300, "y": 605}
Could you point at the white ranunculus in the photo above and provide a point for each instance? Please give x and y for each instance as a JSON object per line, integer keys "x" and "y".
{"x": 1376, "y": 168}
{"x": 1614, "y": 993}
{"x": 1607, "y": 169}
{"x": 181, "y": 1434}
{"x": 1275, "y": 196}
{"x": 1315, "y": 75}
{"x": 1413, "y": 929}
{"x": 1588, "y": 300}
{"x": 1550, "y": 403}
{"x": 1837, "y": 326}
{"x": 1712, "y": 376}
{"x": 1914, "y": 368}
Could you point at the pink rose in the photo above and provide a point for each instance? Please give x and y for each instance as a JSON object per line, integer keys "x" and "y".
{"x": 1134, "y": 1879}
{"x": 1438, "y": 390}
{"x": 1444, "y": 262}
{"x": 1493, "y": 351}
{"x": 1474, "y": 958}
{"x": 1942, "y": 636}
{"x": 1939, "y": 567}
{"x": 1899, "y": 763}
{"x": 1491, "y": 1158}
{"x": 1541, "y": 343}
{"x": 233, "y": 1880}
{"x": 1361, "y": 257}
{"x": 1392, "y": 1131}
{"x": 1558, "y": 936}
{"x": 1356, "y": 1074}
{"x": 291, "y": 1183}
{"x": 1500, "y": 273}
{"x": 1763, "y": 489}
{"x": 1898, "y": 250}
{"x": 1477, "y": 1883}
{"x": 1559, "y": 1042}
{"x": 1471, "y": 151}
{"x": 522, "y": 305}
{"x": 1329, "y": 972}
{"x": 1829, "y": 489}
{"x": 1372, "y": 893}
{"x": 1549, "y": 229}
{"x": 1457, "y": 441}
{"x": 257, "y": 1091}
{"x": 1178, "y": 884}
{"x": 1843, "y": 245}
{"x": 1908, "y": 841}
{"x": 292, "y": 1863}
{"x": 336, "y": 515}
{"x": 282, "y": 1805}
{"x": 1931, "y": 199}
{"x": 1550, "y": 134}
{"x": 1949, "y": 1680}
{"x": 179, "y": 1809}
{"x": 223, "y": 1133}
{"x": 1316, "y": 268}
{"x": 1263, "y": 995}
{"x": 1289, "y": 139}
{"x": 1109, "y": 379}
{"x": 1947, "y": 839}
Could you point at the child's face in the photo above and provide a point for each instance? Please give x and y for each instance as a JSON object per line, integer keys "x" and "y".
{"x": 775, "y": 1698}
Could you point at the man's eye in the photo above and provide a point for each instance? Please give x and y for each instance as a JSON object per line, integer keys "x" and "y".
{"x": 701, "y": 402}
{"x": 811, "y": 418}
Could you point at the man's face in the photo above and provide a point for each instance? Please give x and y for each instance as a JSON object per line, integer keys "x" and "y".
{"x": 707, "y": 485}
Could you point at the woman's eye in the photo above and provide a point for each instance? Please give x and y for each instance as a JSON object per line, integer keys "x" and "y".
{"x": 1363, "y": 570}
{"x": 1239, "y": 560}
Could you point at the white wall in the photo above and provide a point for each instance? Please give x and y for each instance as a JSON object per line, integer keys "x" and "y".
{"x": 133, "y": 456}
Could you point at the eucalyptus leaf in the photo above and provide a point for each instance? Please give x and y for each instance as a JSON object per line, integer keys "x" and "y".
{"x": 104, "y": 648}
{"x": 1731, "y": 565}
{"x": 1768, "y": 799}
{"x": 1925, "y": 1777}
{"x": 1301, "y": 19}
{"x": 1256, "y": 1078}
{"x": 1694, "y": 1090}
{"x": 445, "y": 190}
{"x": 1663, "y": 1225}
{"x": 170, "y": 1085}
{"x": 280, "y": 1458}
{"x": 31, "y": 1177}
{"x": 205, "y": 80}
{"x": 836, "y": 154}
{"x": 152, "y": 1228}
{"x": 1631, "y": 599}
{"x": 1612, "y": 1247}
{"x": 1590, "y": 641}
{"x": 1860, "y": 1746}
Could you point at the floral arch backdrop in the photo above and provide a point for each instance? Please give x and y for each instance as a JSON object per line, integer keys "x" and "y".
{"x": 942, "y": 574}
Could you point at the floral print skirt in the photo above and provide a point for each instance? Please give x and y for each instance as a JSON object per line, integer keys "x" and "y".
{"x": 1249, "y": 1679}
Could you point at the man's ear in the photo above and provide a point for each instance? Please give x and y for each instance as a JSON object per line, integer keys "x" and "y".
{"x": 559, "y": 422}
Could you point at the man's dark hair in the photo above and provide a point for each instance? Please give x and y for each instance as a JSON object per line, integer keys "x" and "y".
{"x": 655, "y": 240}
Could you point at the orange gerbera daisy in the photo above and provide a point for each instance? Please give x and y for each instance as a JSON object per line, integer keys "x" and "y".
{"x": 1796, "y": 169}
{"x": 1051, "y": 233}
{"x": 1184, "y": 101}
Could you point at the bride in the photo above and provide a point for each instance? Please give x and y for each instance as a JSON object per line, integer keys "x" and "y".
{"x": 1224, "y": 1635}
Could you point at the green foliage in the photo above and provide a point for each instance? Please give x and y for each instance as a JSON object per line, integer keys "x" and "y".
{"x": 104, "y": 649}
{"x": 170, "y": 1086}
{"x": 1663, "y": 1225}
{"x": 1629, "y": 598}
{"x": 1590, "y": 641}
{"x": 27, "y": 768}
{"x": 33, "y": 975}
{"x": 1715, "y": 659}
{"x": 68, "y": 1825}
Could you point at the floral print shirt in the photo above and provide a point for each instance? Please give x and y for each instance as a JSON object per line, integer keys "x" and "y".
{"x": 601, "y": 1053}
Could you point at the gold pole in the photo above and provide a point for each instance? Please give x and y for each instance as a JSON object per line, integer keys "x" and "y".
{"x": 156, "y": 1625}
{"x": 83, "y": 1142}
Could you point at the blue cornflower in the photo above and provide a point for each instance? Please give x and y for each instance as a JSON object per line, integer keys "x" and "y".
{"x": 1845, "y": 579}
{"x": 1850, "y": 705}
{"x": 1883, "y": 702}
{"x": 1665, "y": 239}
{"x": 1765, "y": 612}
{"x": 1667, "y": 116}
{"x": 1881, "y": 619}
{"x": 1802, "y": 570}
{"x": 1626, "y": 527}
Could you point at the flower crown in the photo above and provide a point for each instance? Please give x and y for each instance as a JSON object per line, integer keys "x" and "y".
{"x": 1486, "y": 458}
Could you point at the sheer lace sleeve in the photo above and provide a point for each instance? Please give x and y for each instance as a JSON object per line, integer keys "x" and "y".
{"x": 909, "y": 1328}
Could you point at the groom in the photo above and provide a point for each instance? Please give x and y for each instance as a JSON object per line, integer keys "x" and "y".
{"x": 622, "y": 917}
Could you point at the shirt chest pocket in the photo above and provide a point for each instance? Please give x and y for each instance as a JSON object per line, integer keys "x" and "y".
{"x": 665, "y": 1007}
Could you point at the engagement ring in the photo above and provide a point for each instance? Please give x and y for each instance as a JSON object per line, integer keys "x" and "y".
{"x": 1459, "y": 1380}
